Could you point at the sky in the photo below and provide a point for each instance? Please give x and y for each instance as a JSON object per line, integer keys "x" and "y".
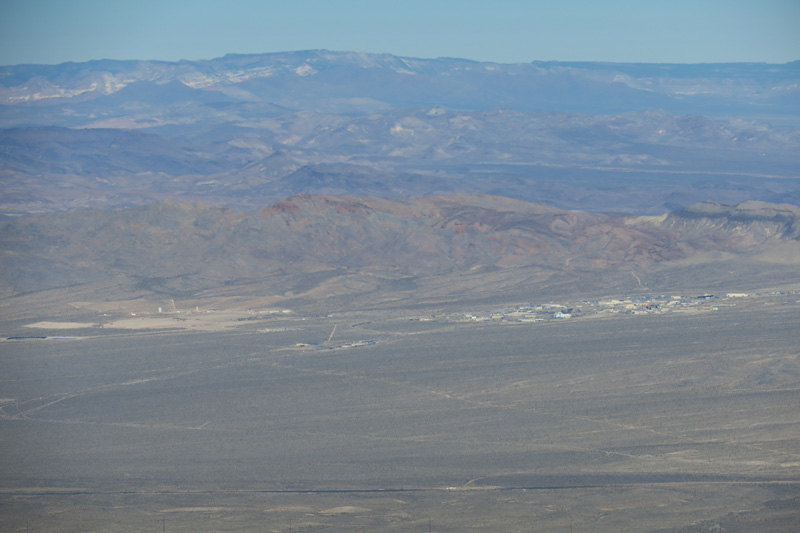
{"x": 503, "y": 31}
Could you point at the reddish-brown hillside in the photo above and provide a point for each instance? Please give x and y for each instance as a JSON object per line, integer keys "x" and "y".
{"x": 295, "y": 245}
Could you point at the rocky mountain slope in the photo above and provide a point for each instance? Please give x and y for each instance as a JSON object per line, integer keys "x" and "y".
{"x": 323, "y": 247}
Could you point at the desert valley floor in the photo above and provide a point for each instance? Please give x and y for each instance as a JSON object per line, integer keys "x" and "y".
{"x": 434, "y": 420}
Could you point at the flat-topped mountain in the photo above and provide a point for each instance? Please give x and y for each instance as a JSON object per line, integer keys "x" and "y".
{"x": 332, "y": 81}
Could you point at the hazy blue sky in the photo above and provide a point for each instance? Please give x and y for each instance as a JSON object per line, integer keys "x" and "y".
{"x": 682, "y": 31}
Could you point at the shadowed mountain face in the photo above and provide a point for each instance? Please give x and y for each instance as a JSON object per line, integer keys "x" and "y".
{"x": 244, "y": 131}
{"x": 301, "y": 244}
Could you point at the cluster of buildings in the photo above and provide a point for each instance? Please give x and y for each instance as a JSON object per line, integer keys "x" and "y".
{"x": 629, "y": 305}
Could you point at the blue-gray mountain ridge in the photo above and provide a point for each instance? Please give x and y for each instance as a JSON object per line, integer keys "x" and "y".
{"x": 247, "y": 130}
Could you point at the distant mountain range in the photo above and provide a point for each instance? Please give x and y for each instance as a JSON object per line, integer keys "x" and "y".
{"x": 247, "y": 130}
{"x": 338, "y": 179}
{"x": 335, "y": 82}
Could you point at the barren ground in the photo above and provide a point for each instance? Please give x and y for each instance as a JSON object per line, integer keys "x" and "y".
{"x": 251, "y": 419}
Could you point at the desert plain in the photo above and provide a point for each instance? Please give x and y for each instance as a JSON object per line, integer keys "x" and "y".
{"x": 497, "y": 417}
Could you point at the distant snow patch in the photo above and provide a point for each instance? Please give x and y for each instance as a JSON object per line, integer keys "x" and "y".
{"x": 305, "y": 70}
